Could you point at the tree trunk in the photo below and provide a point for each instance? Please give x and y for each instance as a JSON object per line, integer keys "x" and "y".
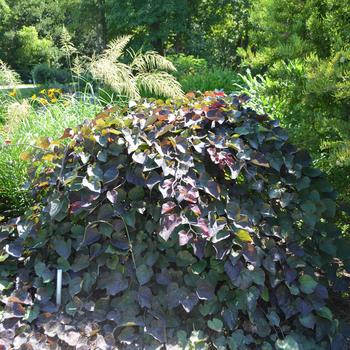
{"x": 102, "y": 24}
{"x": 157, "y": 42}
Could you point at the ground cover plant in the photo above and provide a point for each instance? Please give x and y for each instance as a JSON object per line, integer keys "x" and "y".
{"x": 193, "y": 224}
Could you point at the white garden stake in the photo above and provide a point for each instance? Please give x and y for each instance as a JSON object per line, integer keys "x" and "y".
{"x": 59, "y": 288}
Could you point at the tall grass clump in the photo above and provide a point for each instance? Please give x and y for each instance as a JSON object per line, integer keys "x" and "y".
{"x": 147, "y": 71}
{"x": 28, "y": 127}
{"x": 122, "y": 70}
{"x": 8, "y": 76}
{"x": 9, "y": 79}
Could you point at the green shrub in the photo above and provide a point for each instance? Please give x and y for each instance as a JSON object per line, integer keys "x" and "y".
{"x": 32, "y": 49}
{"x": 195, "y": 75}
{"x": 187, "y": 64}
{"x": 42, "y": 74}
{"x": 167, "y": 219}
{"x": 303, "y": 97}
{"x": 303, "y": 49}
{"x": 209, "y": 80}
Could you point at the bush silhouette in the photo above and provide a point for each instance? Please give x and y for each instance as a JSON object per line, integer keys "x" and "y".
{"x": 192, "y": 224}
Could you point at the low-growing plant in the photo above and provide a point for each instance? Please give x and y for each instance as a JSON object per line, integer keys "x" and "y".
{"x": 47, "y": 96}
{"x": 191, "y": 224}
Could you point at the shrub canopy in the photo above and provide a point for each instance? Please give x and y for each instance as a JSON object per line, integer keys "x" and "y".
{"x": 185, "y": 223}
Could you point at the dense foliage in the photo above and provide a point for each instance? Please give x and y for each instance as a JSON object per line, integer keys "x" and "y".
{"x": 30, "y": 29}
{"x": 191, "y": 223}
{"x": 304, "y": 49}
{"x": 195, "y": 74}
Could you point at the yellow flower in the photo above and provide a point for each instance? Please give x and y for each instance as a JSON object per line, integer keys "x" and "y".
{"x": 33, "y": 97}
{"x": 43, "y": 101}
{"x": 51, "y": 91}
{"x": 54, "y": 100}
{"x": 13, "y": 93}
{"x": 43, "y": 91}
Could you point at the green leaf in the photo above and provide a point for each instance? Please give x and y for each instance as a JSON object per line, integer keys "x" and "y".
{"x": 185, "y": 258}
{"x": 308, "y": 320}
{"x": 136, "y": 194}
{"x": 32, "y": 313}
{"x": 42, "y": 271}
{"x": 92, "y": 184}
{"x": 55, "y": 207}
{"x": 244, "y": 236}
{"x": 3, "y": 257}
{"x": 307, "y": 284}
{"x": 215, "y": 324}
{"x": 199, "y": 267}
{"x": 237, "y": 340}
{"x": 75, "y": 285}
{"x": 265, "y": 295}
{"x": 113, "y": 262}
{"x": 63, "y": 264}
{"x": 258, "y": 276}
{"x": 71, "y": 308}
{"x": 288, "y": 343}
{"x": 62, "y": 247}
{"x": 144, "y": 274}
{"x": 5, "y": 285}
{"x": 325, "y": 312}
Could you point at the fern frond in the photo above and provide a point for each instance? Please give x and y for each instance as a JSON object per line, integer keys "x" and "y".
{"x": 151, "y": 61}
{"x": 8, "y": 76}
{"x": 159, "y": 83}
{"x": 115, "y": 48}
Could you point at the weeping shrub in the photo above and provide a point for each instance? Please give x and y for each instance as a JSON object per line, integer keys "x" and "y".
{"x": 193, "y": 224}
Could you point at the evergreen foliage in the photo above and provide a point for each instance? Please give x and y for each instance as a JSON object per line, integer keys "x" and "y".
{"x": 303, "y": 47}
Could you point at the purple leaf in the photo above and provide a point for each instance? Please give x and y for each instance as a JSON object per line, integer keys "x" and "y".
{"x": 205, "y": 290}
{"x": 168, "y": 225}
{"x": 112, "y": 196}
{"x": 184, "y": 237}
{"x": 168, "y": 207}
{"x": 189, "y": 302}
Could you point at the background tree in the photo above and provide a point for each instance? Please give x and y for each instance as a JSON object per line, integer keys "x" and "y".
{"x": 213, "y": 29}
{"x": 304, "y": 48}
